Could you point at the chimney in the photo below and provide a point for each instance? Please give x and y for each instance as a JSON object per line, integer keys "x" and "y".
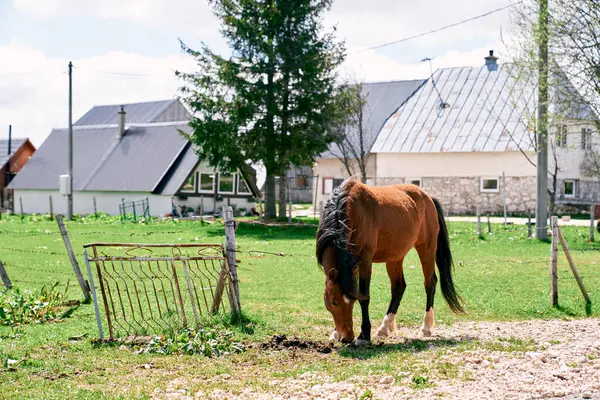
{"x": 9, "y": 139}
{"x": 490, "y": 61}
{"x": 121, "y": 123}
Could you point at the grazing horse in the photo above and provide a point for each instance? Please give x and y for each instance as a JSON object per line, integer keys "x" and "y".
{"x": 361, "y": 225}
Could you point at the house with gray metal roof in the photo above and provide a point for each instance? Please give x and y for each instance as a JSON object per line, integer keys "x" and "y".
{"x": 382, "y": 99}
{"x": 117, "y": 162}
{"x": 467, "y": 137}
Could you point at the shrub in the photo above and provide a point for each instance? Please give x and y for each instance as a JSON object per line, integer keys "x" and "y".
{"x": 18, "y": 307}
{"x": 205, "y": 341}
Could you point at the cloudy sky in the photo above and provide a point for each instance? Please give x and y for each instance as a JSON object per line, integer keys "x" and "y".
{"x": 126, "y": 50}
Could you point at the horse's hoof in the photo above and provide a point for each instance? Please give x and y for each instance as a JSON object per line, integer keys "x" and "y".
{"x": 334, "y": 336}
{"x": 382, "y": 332}
{"x": 424, "y": 332}
{"x": 362, "y": 342}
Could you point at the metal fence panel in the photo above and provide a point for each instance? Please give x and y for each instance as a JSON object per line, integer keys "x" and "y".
{"x": 154, "y": 288}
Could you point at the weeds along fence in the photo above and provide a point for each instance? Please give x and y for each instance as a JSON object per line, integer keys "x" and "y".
{"x": 140, "y": 288}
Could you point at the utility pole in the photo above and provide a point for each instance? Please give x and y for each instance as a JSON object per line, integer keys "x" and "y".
{"x": 541, "y": 211}
{"x": 70, "y": 146}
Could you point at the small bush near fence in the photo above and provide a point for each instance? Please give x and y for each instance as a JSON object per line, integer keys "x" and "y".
{"x": 26, "y": 307}
{"x": 206, "y": 341}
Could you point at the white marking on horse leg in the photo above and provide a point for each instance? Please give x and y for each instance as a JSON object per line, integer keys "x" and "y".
{"x": 428, "y": 322}
{"x": 361, "y": 342}
{"x": 388, "y": 326}
{"x": 334, "y": 336}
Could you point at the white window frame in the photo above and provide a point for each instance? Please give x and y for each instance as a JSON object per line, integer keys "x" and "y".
{"x": 325, "y": 180}
{"x": 489, "y": 178}
{"x": 232, "y": 186}
{"x": 574, "y": 181}
{"x": 562, "y": 134}
{"x": 410, "y": 180}
{"x": 240, "y": 178}
{"x": 195, "y": 189}
{"x": 586, "y": 138}
{"x": 199, "y": 181}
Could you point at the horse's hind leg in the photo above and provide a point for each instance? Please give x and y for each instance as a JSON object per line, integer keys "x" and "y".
{"x": 427, "y": 256}
{"x": 398, "y": 285}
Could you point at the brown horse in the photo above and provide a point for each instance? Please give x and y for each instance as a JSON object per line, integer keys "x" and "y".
{"x": 361, "y": 225}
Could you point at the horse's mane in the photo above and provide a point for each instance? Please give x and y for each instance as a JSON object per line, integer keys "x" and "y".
{"x": 334, "y": 231}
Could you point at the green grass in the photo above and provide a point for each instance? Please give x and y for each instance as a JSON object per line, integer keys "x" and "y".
{"x": 504, "y": 277}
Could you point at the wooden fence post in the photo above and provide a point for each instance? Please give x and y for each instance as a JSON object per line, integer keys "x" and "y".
{"x": 563, "y": 242}
{"x": 592, "y": 220}
{"x": 4, "y": 276}
{"x": 554, "y": 262}
{"x": 51, "y": 207}
{"x": 316, "y": 194}
{"x": 230, "y": 253}
{"x": 504, "y": 195}
{"x": 95, "y": 208}
{"x": 478, "y": 221}
{"x": 63, "y": 231}
{"x": 489, "y": 224}
{"x": 289, "y": 185}
{"x": 529, "y": 225}
{"x": 21, "y": 205}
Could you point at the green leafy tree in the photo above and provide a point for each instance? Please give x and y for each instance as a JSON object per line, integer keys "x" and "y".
{"x": 270, "y": 100}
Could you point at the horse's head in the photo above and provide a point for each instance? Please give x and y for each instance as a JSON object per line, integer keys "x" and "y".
{"x": 337, "y": 303}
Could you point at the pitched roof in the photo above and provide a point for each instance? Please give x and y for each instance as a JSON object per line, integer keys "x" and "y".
{"x": 487, "y": 108}
{"x": 15, "y": 144}
{"x": 137, "y": 113}
{"x": 382, "y": 99}
{"x": 101, "y": 162}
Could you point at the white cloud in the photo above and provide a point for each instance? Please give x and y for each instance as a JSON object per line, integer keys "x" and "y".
{"x": 34, "y": 100}
{"x": 33, "y": 86}
{"x": 189, "y": 16}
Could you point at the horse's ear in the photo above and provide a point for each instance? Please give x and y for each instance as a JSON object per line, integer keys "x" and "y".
{"x": 332, "y": 275}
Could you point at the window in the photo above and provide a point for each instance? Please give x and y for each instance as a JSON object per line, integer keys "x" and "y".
{"x": 586, "y": 138}
{"x": 330, "y": 183}
{"x": 226, "y": 183}
{"x": 561, "y": 136}
{"x": 242, "y": 185}
{"x": 489, "y": 185}
{"x": 415, "y": 181}
{"x": 570, "y": 188}
{"x": 207, "y": 182}
{"x": 190, "y": 185}
{"x": 327, "y": 185}
{"x": 302, "y": 182}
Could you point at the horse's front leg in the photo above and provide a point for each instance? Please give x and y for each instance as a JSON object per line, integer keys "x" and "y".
{"x": 364, "y": 283}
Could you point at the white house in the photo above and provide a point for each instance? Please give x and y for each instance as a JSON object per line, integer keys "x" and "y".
{"x": 466, "y": 137}
{"x": 145, "y": 156}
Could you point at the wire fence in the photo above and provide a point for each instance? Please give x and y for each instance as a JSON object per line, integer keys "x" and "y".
{"x": 37, "y": 257}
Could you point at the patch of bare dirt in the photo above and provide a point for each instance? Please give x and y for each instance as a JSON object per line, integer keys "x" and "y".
{"x": 281, "y": 342}
{"x": 561, "y": 362}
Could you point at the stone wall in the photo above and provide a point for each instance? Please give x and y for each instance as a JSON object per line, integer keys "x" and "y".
{"x": 462, "y": 195}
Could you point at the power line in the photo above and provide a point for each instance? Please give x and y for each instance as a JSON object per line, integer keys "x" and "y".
{"x": 438, "y": 29}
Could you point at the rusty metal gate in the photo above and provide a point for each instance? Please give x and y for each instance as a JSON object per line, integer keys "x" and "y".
{"x": 154, "y": 288}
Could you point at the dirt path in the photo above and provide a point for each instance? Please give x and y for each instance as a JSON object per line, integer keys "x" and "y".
{"x": 564, "y": 362}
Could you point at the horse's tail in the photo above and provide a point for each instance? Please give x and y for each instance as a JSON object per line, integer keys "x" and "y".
{"x": 443, "y": 258}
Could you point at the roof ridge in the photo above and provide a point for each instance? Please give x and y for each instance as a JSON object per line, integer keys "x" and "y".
{"x": 394, "y": 81}
{"x": 134, "y": 103}
{"x": 132, "y": 125}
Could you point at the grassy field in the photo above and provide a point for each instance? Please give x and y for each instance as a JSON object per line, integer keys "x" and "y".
{"x": 502, "y": 277}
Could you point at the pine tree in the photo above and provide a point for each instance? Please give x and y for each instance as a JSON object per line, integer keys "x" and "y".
{"x": 269, "y": 101}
